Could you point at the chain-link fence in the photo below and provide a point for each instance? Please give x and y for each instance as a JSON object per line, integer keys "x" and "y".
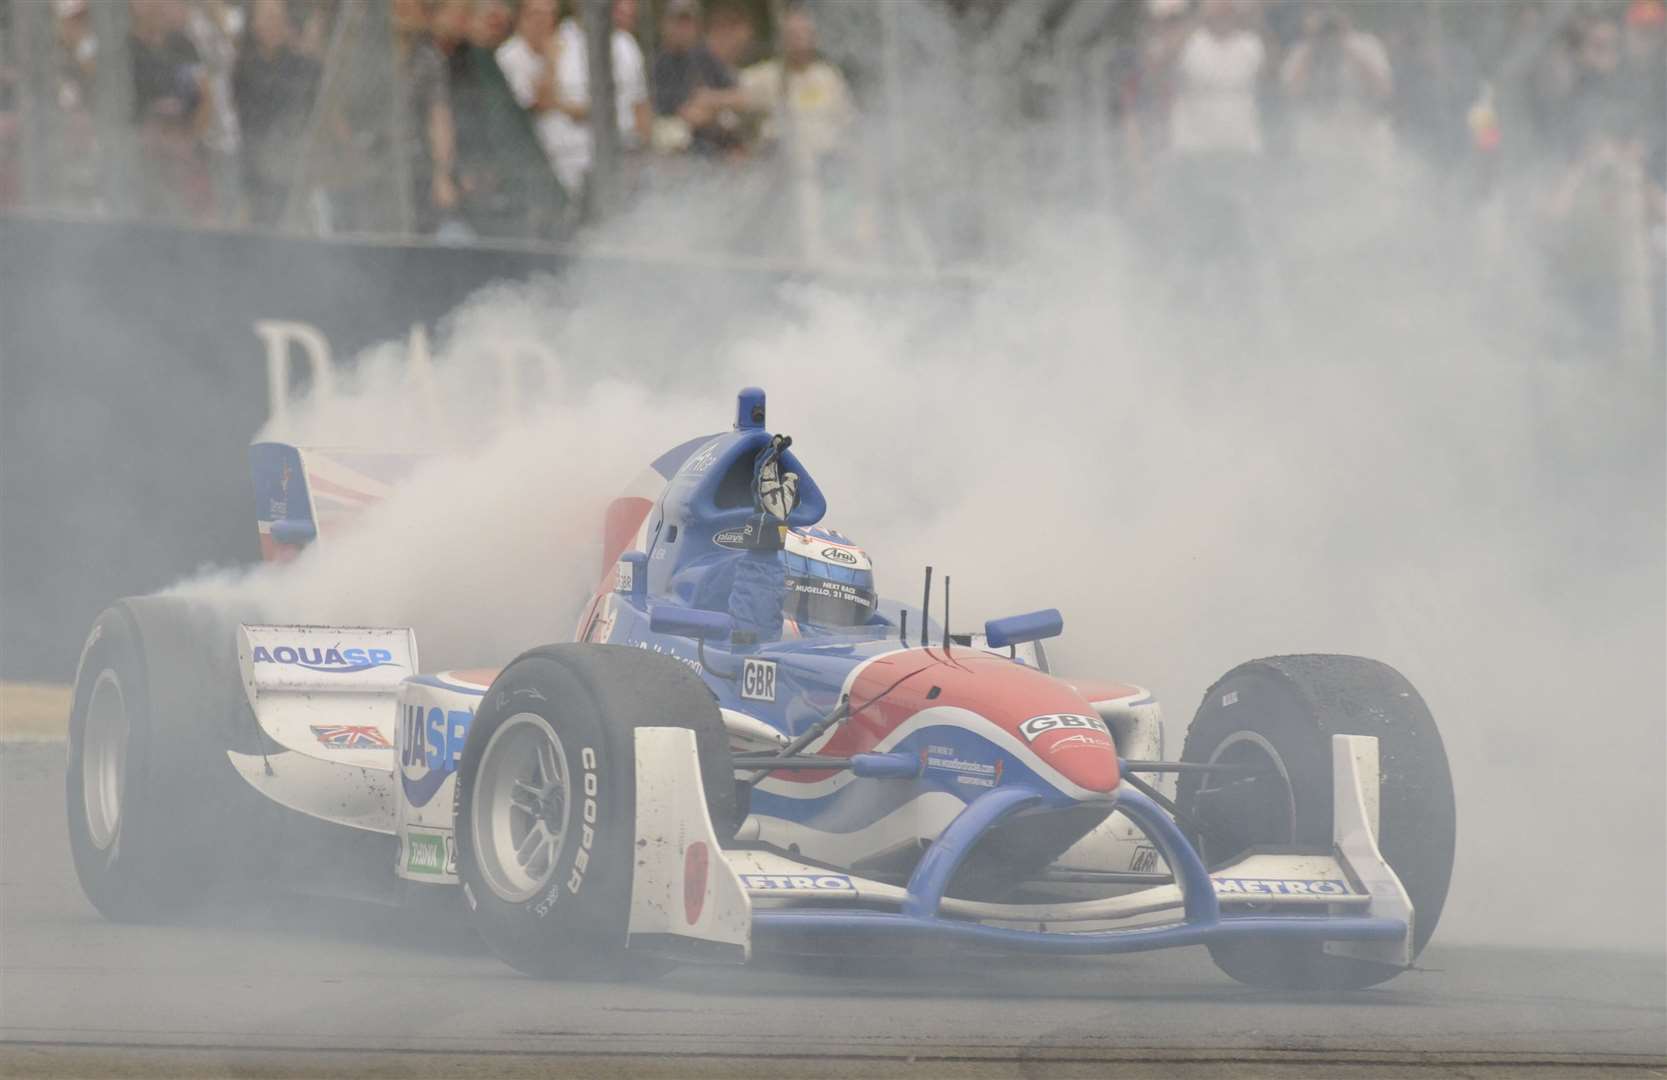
{"x": 906, "y": 137}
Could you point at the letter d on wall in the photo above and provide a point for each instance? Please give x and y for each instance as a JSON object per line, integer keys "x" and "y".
{"x": 277, "y": 335}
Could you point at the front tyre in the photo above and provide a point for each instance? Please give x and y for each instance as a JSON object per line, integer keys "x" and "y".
{"x": 546, "y": 800}
{"x": 1278, "y": 715}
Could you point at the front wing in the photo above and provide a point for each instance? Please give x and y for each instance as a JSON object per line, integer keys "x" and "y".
{"x": 687, "y": 902}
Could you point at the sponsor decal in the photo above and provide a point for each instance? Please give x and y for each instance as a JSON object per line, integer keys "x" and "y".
{"x": 1278, "y": 887}
{"x": 1145, "y": 860}
{"x": 1229, "y": 698}
{"x": 778, "y": 882}
{"x": 425, "y": 853}
{"x": 665, "y": 650}
{"x": 278, "y": 509}
{"x": 703, "y": 458}
{"x": 839, "y": 555}
{"x": 758, "y": 680}
{"x": 333, "y": 660}
{"x": 351, "y": 737}
{"x": 834, "y": 590}
{"x": 696, "y": 861}
{"x": 587, "y": 836}
{"x": 430, "y": 746}
{"x": 969, "y": 773}
{"x": 625, "y": 576}
{"x": 1078, "y": 739}
{"x": 1036, "y": 725}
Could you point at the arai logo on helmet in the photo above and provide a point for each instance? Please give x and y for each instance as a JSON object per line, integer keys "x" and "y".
{"x": 840, "y": 555}
{"x": 334, "y": 661}
{"x": 1036, "y": 725}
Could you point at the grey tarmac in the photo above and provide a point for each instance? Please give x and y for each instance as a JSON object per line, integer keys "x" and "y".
{"x": 310, "y": 988}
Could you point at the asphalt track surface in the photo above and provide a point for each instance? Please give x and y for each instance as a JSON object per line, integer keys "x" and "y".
{"x": 315, "y": 988}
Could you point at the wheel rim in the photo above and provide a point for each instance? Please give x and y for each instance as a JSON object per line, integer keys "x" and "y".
{"x": 104, "y": 758}
{"x": 520, "y": 808}
{"x": 1258, "y": 824}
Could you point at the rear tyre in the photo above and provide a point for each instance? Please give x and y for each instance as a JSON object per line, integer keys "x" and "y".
{"x": 146, "y": 787}
{"x": 546, "y": 801}
{"x": 1280, "y": 713}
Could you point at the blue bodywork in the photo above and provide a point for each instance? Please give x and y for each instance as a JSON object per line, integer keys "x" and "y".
{"x": 689, "y": 565}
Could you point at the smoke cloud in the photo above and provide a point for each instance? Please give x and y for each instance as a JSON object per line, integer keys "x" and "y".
{"x": 1363, "y": 444}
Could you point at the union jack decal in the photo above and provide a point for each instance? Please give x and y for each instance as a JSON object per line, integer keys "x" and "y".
{"x": 351, "y": 737}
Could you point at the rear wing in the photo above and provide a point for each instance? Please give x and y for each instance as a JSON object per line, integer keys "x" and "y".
{"x": 305, "y": 492}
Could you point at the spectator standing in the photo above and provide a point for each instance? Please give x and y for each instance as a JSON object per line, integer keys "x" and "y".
{"x": 273, "y": 85}
{"x": 1595, "y": 235}
{"x": 1435, "y": 96}
{"x": 499, "y": 164}
{"x": 811, "y": 92}
{"x": 1214, "y": 66}
{"x": 171, "y": 108}
{"x": 635, "y": 115}
{"x": 215, "y": 28}
{"x": 429, "y": 132}
{"x": 78, "y": 54}
{"x": 1338, "y": 83}
{"x": 575, "y": 146}
{"x": 807, "y": 114}
{"x": 529, "y": 61}
{"x": 74, "y": 160}
{"x": 702, "y": 109}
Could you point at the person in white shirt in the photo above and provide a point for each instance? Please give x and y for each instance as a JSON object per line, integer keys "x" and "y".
{"x": 636, "y": 116}
{"x": 1208, "y": 191}
{"x": 1217, "y": 69}
{"x": 564, "y": 126}
{"x": 530, "y": 63}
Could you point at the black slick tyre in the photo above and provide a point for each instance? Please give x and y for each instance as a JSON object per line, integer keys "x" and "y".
{"x": 1281, "y": 712}
{"x": 546, "y": 801}
{"x": 147, "y": 786}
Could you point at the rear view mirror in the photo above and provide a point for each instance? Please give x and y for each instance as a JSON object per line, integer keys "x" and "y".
{"x": 1018, "y": 629}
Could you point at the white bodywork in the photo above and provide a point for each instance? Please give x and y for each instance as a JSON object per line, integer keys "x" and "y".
{"x": 686, "y": 897}
{"x": 369, "y": 744}
{"x": 325, "y": 694}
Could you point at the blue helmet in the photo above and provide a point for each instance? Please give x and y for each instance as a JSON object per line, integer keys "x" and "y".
{"x": 829, "y": 580}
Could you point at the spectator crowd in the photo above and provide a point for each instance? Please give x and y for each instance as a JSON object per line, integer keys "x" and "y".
{"x": 1555, "y": 112}
{"x": 477, "y": 122}
{"x": 234, "y": 120}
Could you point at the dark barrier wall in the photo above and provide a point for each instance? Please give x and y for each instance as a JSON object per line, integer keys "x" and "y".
{"x": 131, "y": 381}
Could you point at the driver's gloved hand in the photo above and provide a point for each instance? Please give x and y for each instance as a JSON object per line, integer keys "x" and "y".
{"x": 775, "y": 492}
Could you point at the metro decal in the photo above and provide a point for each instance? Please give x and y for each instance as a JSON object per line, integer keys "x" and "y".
{"x": 1278, "y": 887}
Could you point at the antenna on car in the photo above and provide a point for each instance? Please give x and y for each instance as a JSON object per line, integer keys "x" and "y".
{"x": 946, "y": 614}
{"x": 925, "y": 606}
{"x": 903, "y": 626}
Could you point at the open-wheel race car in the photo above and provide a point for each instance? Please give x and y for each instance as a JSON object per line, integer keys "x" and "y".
{"x": 743, "y": 748}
